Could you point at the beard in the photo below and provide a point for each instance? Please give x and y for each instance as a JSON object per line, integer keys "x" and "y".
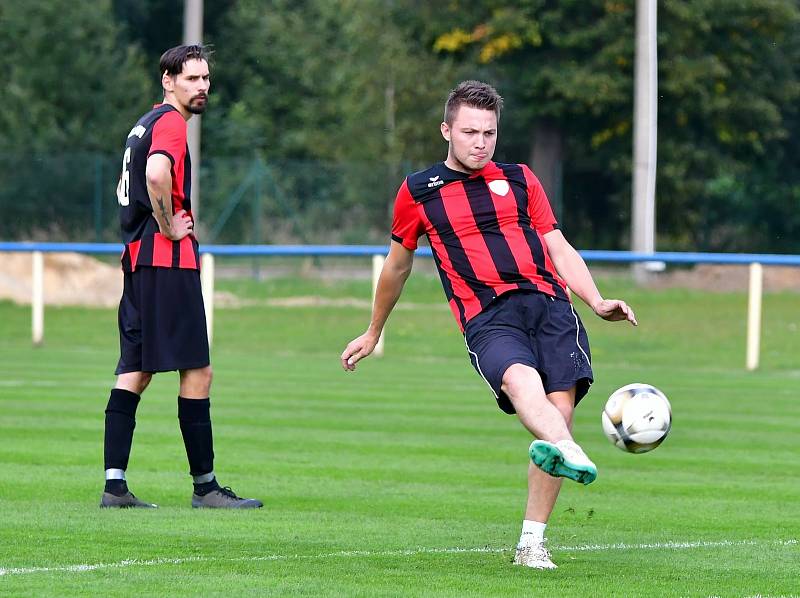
{"x": 197, "y": 105}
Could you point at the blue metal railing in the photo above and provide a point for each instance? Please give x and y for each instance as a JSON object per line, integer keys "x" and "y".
{"x": 670, "y": 257}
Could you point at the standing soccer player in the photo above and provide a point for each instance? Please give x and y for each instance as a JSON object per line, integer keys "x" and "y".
{"x": 505, "y": 268}
{"x": 162, "y": 324}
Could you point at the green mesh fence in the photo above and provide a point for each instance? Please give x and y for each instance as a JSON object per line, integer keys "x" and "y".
{"x": 73, "y": 198}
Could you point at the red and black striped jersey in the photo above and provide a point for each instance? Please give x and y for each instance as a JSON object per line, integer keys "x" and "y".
{"x": 485, "y": 229}
{"x": 160, "y": 131}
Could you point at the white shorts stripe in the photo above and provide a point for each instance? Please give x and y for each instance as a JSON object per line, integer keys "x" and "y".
{"x": 478, "y": 366}
{"x": 578, "y": 334}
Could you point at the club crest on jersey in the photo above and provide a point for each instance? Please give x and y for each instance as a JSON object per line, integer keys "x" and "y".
{"x": 435, "y": 181}
{"x": 499, "y": 187}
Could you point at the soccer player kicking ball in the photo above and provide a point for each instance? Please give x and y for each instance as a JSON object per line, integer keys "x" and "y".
{"x": 505, "y": 268}
{"x": 162, "y": 324}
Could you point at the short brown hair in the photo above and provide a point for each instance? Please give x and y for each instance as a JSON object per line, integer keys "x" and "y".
{"x": 172, "y": 60}
{"x": 474, "y": 94}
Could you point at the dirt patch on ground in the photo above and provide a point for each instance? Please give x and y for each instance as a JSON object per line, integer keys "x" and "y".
{"x": 77, "y": 279}
{"x": 69, "y": 279}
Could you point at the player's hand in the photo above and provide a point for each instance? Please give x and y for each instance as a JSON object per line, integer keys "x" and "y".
{"x": 614, "y": 310}
{"x": 182, "y": 225}
{"x": 358, "y": 349}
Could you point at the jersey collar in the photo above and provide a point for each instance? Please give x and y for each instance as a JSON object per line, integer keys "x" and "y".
{"x": 448, "y": 174}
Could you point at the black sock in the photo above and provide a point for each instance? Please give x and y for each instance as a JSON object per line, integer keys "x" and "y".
{"x": 205, "y": 487}
{"x": 120, "y": 422}
{"x": 116, "y": 487}
{"x": 195, "y": 420}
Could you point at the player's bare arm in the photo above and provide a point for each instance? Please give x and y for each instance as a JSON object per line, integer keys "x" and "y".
{"x": 390, "y": 285}
{"x": 159, "y": 187}
{"x": 571, "y": 267}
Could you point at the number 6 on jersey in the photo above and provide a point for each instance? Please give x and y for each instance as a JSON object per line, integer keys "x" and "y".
{"x": 123, "y": 187}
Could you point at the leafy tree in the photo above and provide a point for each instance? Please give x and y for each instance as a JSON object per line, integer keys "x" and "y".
{"x": 338, "y": 98}
{"x": 565, "y": 69}
{"x": 326, "y": 80}
{"x": 728, "y": 123}
{"x": 67, "y": 81}
{"x": 72, "y": 88}
{"x": 728, "y": 87}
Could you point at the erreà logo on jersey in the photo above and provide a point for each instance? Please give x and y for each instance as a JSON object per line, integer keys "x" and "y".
{"x": 137, "y": 131}
{"x": 435, "y": 181}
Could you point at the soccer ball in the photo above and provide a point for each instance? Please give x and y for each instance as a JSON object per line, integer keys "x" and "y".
{"x": 637, "y": 418}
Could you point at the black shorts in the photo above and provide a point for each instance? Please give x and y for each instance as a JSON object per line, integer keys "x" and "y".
{"x": 162, "y": 322}
{"x": 532, "y": 329}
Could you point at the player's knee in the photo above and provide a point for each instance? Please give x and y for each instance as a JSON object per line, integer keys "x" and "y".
{"x": 196, "y": 382}
{"x": 565, "y": 403}
{"x": 521, "y": 382}
{"x": 208, "y": 376}
{"x": 145, "y": 381}
{"x": 134, "y": 382}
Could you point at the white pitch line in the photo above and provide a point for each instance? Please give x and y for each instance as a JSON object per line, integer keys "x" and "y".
{"x": 674, "y": 545}
{"x": 383, "y": 553}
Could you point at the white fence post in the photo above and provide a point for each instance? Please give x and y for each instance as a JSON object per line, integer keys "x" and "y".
{"x": 37, "y": 298}
{"x": 377, "y": 266}
{"x": 754, "y": 315}
{"x": 207, "y": 282}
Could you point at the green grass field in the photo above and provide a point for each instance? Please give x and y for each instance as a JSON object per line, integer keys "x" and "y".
{"x": 402, "y": 478}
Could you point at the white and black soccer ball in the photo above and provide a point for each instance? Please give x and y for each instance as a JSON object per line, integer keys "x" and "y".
{"x": 637, "y": 418}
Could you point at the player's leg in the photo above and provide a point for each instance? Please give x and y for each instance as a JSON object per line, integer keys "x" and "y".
{"x": 561, "y": 344}
{"x": 525, "y": 391}
{"x": 120, "y": 413}
{"x": 502, "y": 347}
{"x": 554, "y": 451}
{"x": 175, "y": 338}
{"x": 543, "y": 492}
{"x": 543, "y": 488}
{"x": 562, "y": 348}
{"x": 194, "y": 415}
{"x": 120, "y": 421}
{"x": 523, "y": 386}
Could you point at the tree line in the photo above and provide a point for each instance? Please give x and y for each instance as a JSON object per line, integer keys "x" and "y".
{"x": 336, "y": 83}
